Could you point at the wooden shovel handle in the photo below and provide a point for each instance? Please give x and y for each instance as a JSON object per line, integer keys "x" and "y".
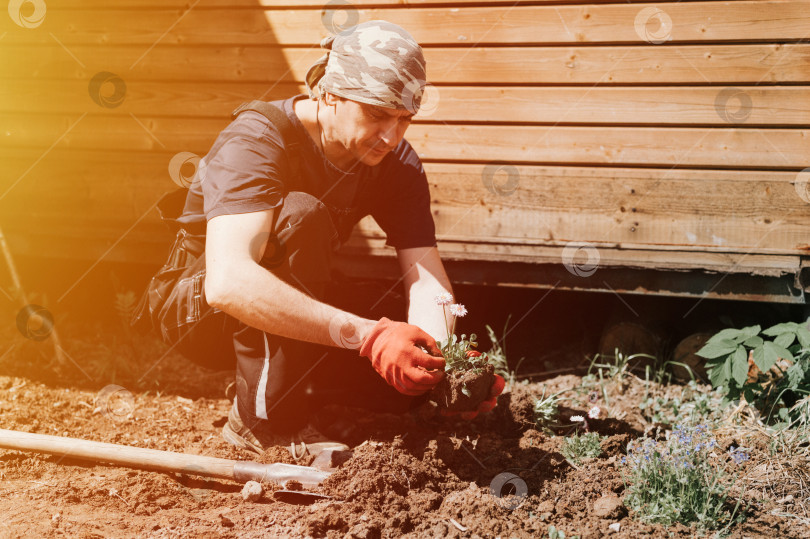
{"x": 132, "y": 457}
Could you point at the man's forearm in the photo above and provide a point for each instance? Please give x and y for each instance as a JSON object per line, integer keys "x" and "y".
{"x": 260, "y": 299}
{"x": 425, "y": 313}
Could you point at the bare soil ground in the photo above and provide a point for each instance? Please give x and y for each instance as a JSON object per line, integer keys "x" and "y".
{"x": 418, "y": 475}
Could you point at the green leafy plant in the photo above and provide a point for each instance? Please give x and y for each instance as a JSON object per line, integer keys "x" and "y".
{"x": 581, "y": 446}
{"x": 769, "y": 368}
{"x": 546, "y": 409}
{"x": 680, "y": 480}
{"x": 459, "y": 352}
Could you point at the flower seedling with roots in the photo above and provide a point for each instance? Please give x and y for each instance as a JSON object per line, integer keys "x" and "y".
{"x": 469, "y": 374}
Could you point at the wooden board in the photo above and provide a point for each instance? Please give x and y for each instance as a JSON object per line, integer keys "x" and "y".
{"x": 681, "y": 105}
{"x": 605, "y": 65}
{"x": 766, "y": 265}
{"x": 700, "y": 210}
{"x": 705, "y": 147}
{"x": 89, "y": 241}
{"x": 183, "y": 5}
{"x": 471, "y": 26}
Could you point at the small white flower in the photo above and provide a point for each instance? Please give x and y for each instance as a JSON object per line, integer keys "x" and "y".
{"x": 577, "y": 419}
{"x": 457, "y": 309}
{"x": 594, "y": 412}
{"x": 445, "y": 298}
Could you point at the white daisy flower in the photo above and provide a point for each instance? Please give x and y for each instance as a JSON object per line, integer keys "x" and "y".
{"x": 594, "y": 412}
{"x": 445, "y": 298}
{"x": 577, "y": 419}
{"x": 457, "y": 309}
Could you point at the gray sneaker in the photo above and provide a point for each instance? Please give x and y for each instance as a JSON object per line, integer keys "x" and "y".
{"x": 308, "y": 440}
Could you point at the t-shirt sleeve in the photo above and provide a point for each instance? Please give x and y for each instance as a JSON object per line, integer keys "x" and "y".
{"x": 403, "y": 208}
{"x": 244, "y": 171}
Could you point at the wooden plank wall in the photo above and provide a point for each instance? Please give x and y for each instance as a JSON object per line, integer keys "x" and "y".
{"x": 666, "y": 134}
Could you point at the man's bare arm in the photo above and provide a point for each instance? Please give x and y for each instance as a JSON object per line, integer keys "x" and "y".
{"x": 425, "y": 278}
{"x": 236, "y": 284}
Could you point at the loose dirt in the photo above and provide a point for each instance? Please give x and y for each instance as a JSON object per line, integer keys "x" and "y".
{"x": 416, "y": 475}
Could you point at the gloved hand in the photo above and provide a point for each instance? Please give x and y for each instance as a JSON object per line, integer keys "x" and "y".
{"x": 497, "y": 388}
{"x": 393, "y": 348}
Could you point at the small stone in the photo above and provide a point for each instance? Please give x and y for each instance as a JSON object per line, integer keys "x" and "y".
{"x": 616, "y": 527}
{"x": 609, "y": 506}
{"x": 546, "y": 506}
{"x": 252, "y": 491}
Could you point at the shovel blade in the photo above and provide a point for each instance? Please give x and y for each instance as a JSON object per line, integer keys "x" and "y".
{"x": 278, "y": 473}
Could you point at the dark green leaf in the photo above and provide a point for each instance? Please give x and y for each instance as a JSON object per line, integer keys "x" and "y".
{"x": 750, "y": 396}
{"x": 785, "y": 339}
{"x": 753, "y": 342}
{"x": 739, "y": 365}
{"x": 778, "y": 329}
{"x": 717, "y": 349}
{"x": 733, "y": 393}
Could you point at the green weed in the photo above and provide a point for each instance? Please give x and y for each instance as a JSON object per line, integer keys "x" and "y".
{"x": 694, "y": 405}
{"x": 497, "y": 354}
{"x": 581, "y": 446}
{"x": 546, "y": 409}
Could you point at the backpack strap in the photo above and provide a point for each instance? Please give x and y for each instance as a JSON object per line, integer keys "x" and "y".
{"x": 278, "y": 118}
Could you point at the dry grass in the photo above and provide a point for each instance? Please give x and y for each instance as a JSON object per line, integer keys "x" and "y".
{"x": 777, "y": 476}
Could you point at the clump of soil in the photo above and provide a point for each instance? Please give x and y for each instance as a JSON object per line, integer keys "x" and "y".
{"x": 378, "y": 472}
{"x": 450, "y": 395}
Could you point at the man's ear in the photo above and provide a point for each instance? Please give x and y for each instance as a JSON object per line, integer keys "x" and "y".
{"x": 330, "y": 99}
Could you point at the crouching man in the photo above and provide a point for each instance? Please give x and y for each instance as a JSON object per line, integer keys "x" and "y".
{"x": 278, "y": 193}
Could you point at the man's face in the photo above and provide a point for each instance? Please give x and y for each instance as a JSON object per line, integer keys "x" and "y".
{"x": 369, "y": 132}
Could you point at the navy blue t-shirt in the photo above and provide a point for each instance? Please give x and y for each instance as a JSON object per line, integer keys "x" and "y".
{"x": 248, "y": 170}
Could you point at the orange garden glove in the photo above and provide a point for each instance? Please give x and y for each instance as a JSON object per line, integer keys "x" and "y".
{"x": 393, "y": 348}
{"x": 497, "y": 388}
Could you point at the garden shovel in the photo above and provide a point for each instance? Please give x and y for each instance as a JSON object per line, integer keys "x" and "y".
{"x": 165, "y": 461}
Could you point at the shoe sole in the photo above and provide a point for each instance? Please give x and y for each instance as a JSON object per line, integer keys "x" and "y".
{"x": 236, "y": 439}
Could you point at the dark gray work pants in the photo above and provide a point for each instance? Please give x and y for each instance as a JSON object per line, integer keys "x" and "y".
{"x": 279, "y": 381}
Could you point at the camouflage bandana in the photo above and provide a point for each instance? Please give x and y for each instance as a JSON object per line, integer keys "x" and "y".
{"x": 375, "y": 62}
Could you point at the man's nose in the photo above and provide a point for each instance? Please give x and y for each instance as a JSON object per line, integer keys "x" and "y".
{"x": 392, "y": 133}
